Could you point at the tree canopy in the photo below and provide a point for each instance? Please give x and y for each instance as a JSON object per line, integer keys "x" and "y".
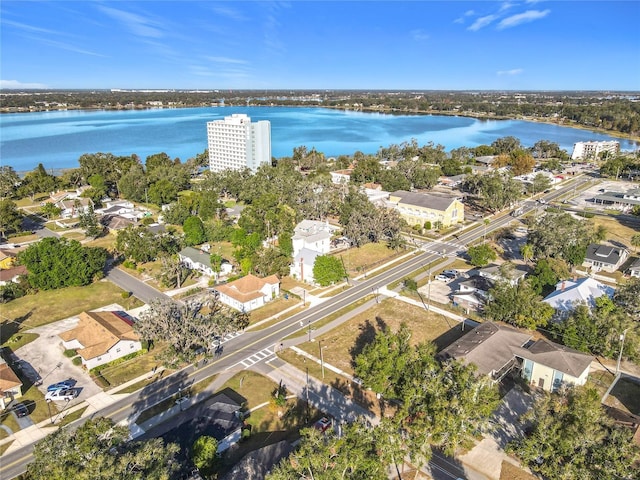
{"x": 99, "y": 450}
{"x": 57, "y": 262}
{"x": 186, "y": 326}
{"x": 573, "y": 437}
{"x": 327, "y": 270}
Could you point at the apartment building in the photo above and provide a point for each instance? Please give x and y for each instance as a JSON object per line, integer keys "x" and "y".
{"x": 237, "y": 143}
{"x": 583, "y": 150}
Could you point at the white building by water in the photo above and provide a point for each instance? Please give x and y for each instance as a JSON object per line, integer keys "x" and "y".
{"x": 582, "y": 150}
{"x": 236, "y": 143}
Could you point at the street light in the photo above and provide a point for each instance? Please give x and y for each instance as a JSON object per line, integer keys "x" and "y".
{"x": 622, "y": 337}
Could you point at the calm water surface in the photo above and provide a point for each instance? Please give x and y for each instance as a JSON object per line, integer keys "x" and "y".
{"x": 57, "y": 139}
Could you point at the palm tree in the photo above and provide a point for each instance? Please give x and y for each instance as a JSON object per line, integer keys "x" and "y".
{"x": 635, "y": 241}
{"x": 527, "y": 252}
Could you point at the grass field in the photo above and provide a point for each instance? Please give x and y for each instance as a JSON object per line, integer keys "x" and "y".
{"x": 616, "y": 231}
{"x": 135, "y": 367}
{"x": 511, "y": 472}
{"x": 343, "y": 343}
{"x": 358, "y": 260}
{"x": 48, "y": 306}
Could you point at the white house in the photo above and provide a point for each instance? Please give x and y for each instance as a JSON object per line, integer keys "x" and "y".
{"x": 634, "y": 269}
{"x": 302, "y": 266}
{"x": 200, "y": 261}
{"x": 249, "y": 292}
{"x": 101, "y": 337}
{"x": 313, "y": 235}
{"x": 605, "y": 257}
{"x": 569, "y": 293}
{"x": 73, "y": 208}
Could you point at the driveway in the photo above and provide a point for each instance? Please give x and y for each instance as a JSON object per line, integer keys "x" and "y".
{"x": 46, "y": 360}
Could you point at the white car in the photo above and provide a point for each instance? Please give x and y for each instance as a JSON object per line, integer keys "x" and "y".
{"x": 59, "y": 395}
{"x": 443, "y": 278}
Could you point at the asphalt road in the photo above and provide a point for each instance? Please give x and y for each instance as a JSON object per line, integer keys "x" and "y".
{"x": 131, "y": 284}
{"x": 249, "y": 343}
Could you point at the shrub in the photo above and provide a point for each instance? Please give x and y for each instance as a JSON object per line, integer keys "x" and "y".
{"x": 77, "y": 361}
{"x": 125, "y": 295}
{"x": 427, "y": 225}
{"x": 70, "y": 353}
{"x": 129, "y": 264}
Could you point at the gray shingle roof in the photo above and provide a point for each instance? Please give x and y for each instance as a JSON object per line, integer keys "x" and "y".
{"x": 558, "y": 357}
{"x": 603, "y": 253}
{"x": 489, "y": 346}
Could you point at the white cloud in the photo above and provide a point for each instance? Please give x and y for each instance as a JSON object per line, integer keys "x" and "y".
{"x": 137, "y": 24}
{"x": 17, "y": 85}
{"x": 482, "y": 22}
{"x": 514, "y": 71}
{"x": 469, "y": 13}
{"x": 520, "y": 18}
{"x": 231, "y": 13}
{"x": 419, "y": 35}
{"x": 227, "y": 60}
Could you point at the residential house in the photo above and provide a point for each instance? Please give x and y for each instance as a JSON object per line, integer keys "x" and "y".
{"x": 419, "y": 208}
{"x": 249, "y": 292}
{"x": 605, "y": 257}
{"x": 116, "y": 222}
{"x": 12, "y": 274}
{"x": 303, "y": 263}
{"x": 73, "y": 208}
{"x": 341, "y": 177}
{"x": 7, "y": 258}
{"x": 10, "y": 385}
{"x": 497, "y": 350}
{"x": 634, "y": 269}
{"x": 485, "y": 160}
{"x": 548, "y": 365}
{"x": 313, "y": 235}
{"x": 500, "y": 272}
{"x": 570, "y": 293}
{"x": 453, "y": 181}
{"x": 490, "y": 347}
{"x": 311, "y": 239}
{"x": 473, "y": 293}
{"x": 101, "y": 337}
{"x": 200, "y": 261}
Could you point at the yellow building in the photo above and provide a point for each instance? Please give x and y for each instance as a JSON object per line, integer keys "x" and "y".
{"x": 419, "y": 208}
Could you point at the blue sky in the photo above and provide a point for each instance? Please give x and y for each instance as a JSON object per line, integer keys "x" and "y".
{"x": 519, "y": 45}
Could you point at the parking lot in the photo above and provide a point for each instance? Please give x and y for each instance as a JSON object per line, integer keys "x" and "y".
{"x": 585, "y": 198}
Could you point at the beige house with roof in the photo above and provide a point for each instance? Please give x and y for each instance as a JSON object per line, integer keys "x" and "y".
{"x": 249, "y": 292}
{"x": 10, "y": 385}
{"x": 101, "y": 337}
{"x": 419, "y": 208}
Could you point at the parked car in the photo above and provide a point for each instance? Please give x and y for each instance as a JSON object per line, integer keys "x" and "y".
{"x": 451, "y": 272}
{"x": 322, "y": 425}
{"x": 20, "y": 409}
{"x": 60, "y": 385}
{"x": 443, "y": 278}
{"x": 58, "y": 395}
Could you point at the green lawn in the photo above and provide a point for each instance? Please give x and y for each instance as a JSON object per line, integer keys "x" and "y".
{"x": 48, "y": 306}
{"x": 359, "y": 260}
{"x": 133, "y": 368}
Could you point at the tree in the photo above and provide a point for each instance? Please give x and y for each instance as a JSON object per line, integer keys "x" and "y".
{"x": 327, "y": 270}
{"x": 360, "y": 453}
{"x": 194, "y": 233}
{"x": 50, "y": 210}
{"x": 162, "y": 192}
{"x": 99, "y": 450}
{"x": 89, "y": 221}
{"x": 9, "y": 181}
{"x": 137, "y": 243}
{"x": 133, "y": 184}
{"x": 481, "y": 255}
{"x": 635, "y": 241}
{"x": 521, "y": 162}
{"x": 627, "y": 296}
{"x": 204, "y": 454}
{"x": 10, "y": 217}
{"x": 186, "y": 325}
{"x": 546, "y": 274}
{"x": 506, "y": 145}
{"x": 57, "y": 262}
{"x": 571, "y": 436}
{"x": 172, "y": 271}
{"x": 496, "y": 190}
{"x": 176, "y": 213}
{"x": 527, "y": 252}
{"x": 381, "y": 363}
{"x": 518, "y": 305}
{"x": 540, "y": 183}
{"x": 37, "y": 181}
{"x": 545, "y": 149}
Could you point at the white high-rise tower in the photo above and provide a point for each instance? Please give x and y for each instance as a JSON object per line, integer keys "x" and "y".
{"x": 236, "y": 143}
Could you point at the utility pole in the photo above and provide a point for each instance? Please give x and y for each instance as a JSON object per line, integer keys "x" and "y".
{"x": 321, "y": 357}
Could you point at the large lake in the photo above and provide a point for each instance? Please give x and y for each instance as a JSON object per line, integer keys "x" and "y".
{"x": 57, "y": 139}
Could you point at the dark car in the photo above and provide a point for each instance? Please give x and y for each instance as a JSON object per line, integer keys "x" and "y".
{"x": 21, "y": 410}
{"x": 60, "y": 385}
{"x": 323, "y": 424}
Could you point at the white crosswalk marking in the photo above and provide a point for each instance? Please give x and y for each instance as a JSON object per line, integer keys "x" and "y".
{"x": 257, "y": 357}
